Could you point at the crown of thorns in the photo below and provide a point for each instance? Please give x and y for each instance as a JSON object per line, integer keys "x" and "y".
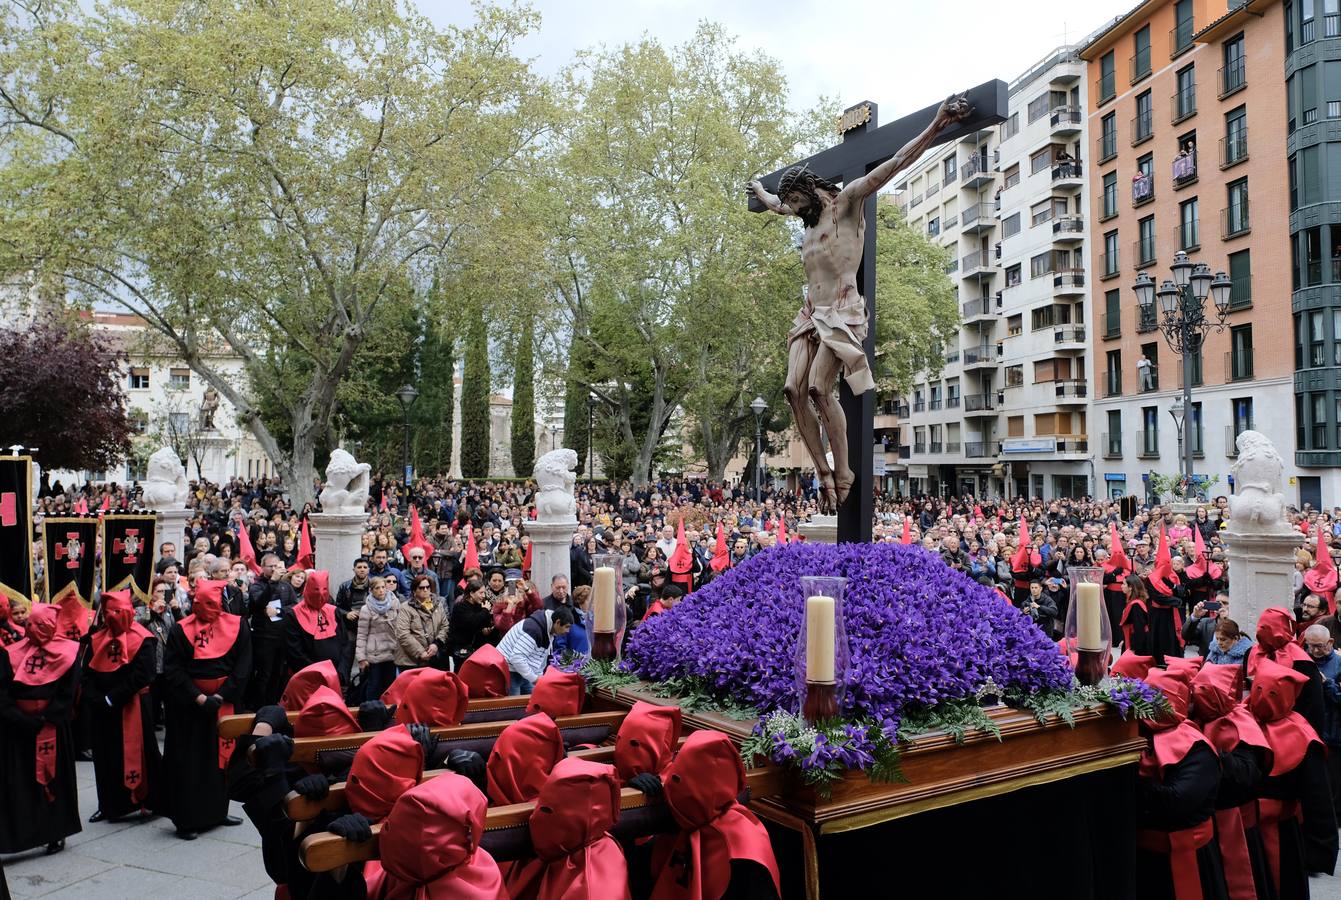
{"x": 802, "y": 178}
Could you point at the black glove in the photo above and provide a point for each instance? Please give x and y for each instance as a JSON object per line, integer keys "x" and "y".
{"x": 313, "y": 787}
{"x": 374, "y": 715}
{"x": 467, "y": 763}
{"x": 351, "y": 827}
{"x": 212, "y": 704}
{"x": 275, "y": 717}
{"x": 272, "y": 752}
{"x": 648, "y": 783}
{"x": 426, "y": 738}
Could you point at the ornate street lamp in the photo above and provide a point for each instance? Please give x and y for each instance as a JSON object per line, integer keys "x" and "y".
{"x": 407, "y": 395}
{"x": 759, "y": 407}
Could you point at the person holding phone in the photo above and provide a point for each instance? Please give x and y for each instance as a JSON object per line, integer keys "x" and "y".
{"x": 1200, "y": 627}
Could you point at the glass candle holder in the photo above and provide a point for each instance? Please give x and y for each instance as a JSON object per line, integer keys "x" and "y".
{"x": 822, "y": 653}
{"x": 606, "y": 613}
{"x": 1088, "y": 632}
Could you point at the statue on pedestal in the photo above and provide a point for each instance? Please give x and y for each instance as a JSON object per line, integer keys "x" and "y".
{"x": 555, "y": 481}
{"x": 346, "y": 489}
{"x": 1258, "y": 504}
{"x": 165, "y": 484}
{"x": 208, "y": 407}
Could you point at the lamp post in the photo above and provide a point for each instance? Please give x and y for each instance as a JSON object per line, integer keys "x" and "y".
{"x": 758, "y": 406}
{"x": 1185, "y": 324}
{"x": 407, "y": 395}
{"x": 554, "y": 437}
{"x": 1178, "y": 411}
{"x": 591, "y": 450}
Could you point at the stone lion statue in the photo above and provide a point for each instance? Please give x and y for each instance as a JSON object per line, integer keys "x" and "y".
{"x": 165, "y": 485}
{"x": 346, "y": 488}
{"x": 555, "y": 481}
{"x": 1258, "y": 504}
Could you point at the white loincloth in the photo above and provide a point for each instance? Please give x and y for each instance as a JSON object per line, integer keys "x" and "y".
{"x": 841, "y": 328}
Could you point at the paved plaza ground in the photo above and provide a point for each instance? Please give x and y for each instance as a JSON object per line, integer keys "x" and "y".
{"x": 142, "y": 861}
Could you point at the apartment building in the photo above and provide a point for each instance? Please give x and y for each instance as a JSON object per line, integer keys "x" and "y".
{"x": 1043, "y": 349}
{"x": 1186, "y": 114}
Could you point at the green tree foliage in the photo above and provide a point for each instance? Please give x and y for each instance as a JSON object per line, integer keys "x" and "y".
{"x": 523, "y": 402}
{"x": 256, "y": 174}
{"x": 575, "y": 410}
{"x": 475, "y": 399}
{"x": 917, "y": 309}
{"x": 434, "y": 412}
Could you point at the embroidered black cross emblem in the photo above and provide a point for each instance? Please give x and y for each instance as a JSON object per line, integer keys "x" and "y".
{"x": 321, "y": 620}
{"x": 132, "y": 777}
{"x": 203, "y": 637}
{"x": 45, "y": 747}
{"x": 35, "y": 663}
{"x": 114, "y": 651}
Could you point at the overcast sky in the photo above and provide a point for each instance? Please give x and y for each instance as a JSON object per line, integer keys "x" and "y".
{"x": 903, "y": 55}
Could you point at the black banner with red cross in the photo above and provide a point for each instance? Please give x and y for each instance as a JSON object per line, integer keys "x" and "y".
{"x": 128, "y": 554}
{"x": 16, "y": 528}
{"x": 71, "y": 558}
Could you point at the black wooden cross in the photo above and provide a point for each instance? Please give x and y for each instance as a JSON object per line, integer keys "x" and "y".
{"x": 863, "y": 148}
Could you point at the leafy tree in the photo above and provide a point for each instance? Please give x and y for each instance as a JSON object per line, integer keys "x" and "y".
{"x": 475, "y": 400}
{"x": 575, "y": 409}
{"x": 434, "y": 412}
{"x": 523, "y": 403}
{"x": 62, "y": 394}
{"x": 917, "y": 309}
{"x": 258, "y": 174}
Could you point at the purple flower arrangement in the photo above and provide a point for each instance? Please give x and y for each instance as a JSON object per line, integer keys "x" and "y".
{"x": 920, "y": 634}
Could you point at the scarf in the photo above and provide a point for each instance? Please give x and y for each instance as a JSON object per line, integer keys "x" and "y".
{"x": 381, "y": 607}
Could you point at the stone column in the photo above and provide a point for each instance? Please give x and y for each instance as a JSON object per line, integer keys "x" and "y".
{"x": 552, "y": 543}
{"x": 820, "y": 529}
{"x": 338, "y": 541}
{"x": 1261, "y": 569}
{"x": 172, "y": 527}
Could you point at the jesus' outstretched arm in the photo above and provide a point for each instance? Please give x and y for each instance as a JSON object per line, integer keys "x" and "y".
{"x": 768, "y": 199}
{"x": 954, "y": 109}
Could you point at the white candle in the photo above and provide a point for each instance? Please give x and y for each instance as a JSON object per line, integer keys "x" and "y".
{"x": 1089, "y": 607}
{"x": 819, "y": 638}
{"x": 603, "y": 598}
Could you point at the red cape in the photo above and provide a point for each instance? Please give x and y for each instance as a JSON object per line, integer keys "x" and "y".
{"x": 522, "y": 759}
{"x": 569, "y": 831}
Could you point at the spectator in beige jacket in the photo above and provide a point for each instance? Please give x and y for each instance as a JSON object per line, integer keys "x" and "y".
{"x": 375, "y": 646}
{"x": 421, "y": 628}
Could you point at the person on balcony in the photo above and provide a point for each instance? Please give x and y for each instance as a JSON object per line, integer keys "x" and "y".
{"x": 1144, "y": 370}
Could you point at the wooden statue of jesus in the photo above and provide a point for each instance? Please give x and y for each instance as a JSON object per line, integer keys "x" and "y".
{"x": 831, "y": 326}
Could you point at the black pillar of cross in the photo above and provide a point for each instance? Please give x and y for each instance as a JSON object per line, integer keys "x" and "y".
{"x": 864, "y": 147}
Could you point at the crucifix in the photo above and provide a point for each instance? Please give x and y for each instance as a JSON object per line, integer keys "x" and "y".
{"x": 835, "y": 330}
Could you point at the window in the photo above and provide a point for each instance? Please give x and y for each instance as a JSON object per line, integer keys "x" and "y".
{"x": 1185, "y": 100}
{"x": 1145, "y": 242}
{"x": 1112, "y": 313}
{"x": 1013, "y": 275}
{"x": 1150, "y": 431}
{"x": 139, "y": 378}
{"x": 1113, "y": 374}
{"x": 1041, "y": 318}
{"x": 1015, "y": 426}
{"x": 934, "y": 226}
{"x": 1242, "y": 408}
{"x": 1012, "y": 177}
{"x": 1336, "y": 337}
{"x": 1038, "y": 107}
{"x": 1108, "y": 137}
{"x": 1318, "y": 402}
{"x": 1195, "y": 365}
{"x": 1241, "y": 274}
{"x": 1308, "y": 95}
{"x": 1040, "y": 161}
{"x": 1310, "y": 177}
{"x": 1140, "y": 61}
{"x": 1294, "y": 186}
{"x": 1181, "y": 37}
{"x": 1011, "y": 127}
{"x": 1145, "y": 164}
{"x": 948, "y": 170}
{"x": 1240, "y": 352}
{"x": 139, "y": 421}
{"x": 1311, "y": 251}
{"x": 1288, "y": 8}
{"x": 179, "y": 422}
{"x": 1195, "y": 432}
{"x": 1040, "y": 212}
{"x": 1188, "y": 225}
{"x": 1307, "y": 34}
{"x": 1110, "y": 195}
{"x": 1040, "y": 265}
{"x": 1107, "y": 82}
{"x": 1234, "y": 74}
{"x": 1236, "y": 213}
{"x": 1316, "y": 340}
{"x": 1113, "y": 439}
{"x": 1301, "y": 427}
{"x": 1058, "y": 369}
{"x": 179, "y": 379}
{"x": 1331, "y": 23}
{"x": 1236, "y": 137}
{"x": 1014, "y": 376}
{"x": 1010, "y": 225}
{"x": 1143, "y": 184}
{"x": 1015, "y": 325}
{"x": 1110, "y": 266}
{"x": 1142, "y": 126}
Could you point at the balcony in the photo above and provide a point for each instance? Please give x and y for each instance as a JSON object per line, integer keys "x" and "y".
{"x": 1071, "y": 390}
{"x": 1112, "y": 445}
{"x": 983, "y": 307}
{"x": 1182, "y": 105}
{"x": 1068, "y": 229}
{"x": 951, "y": 357}
{"x": 934, "y": 405}
{"x": 1109, "y": 264}
{"x": 936, "y": 447}
{"x": 1113, "y": 383}
{"x": 905, "y": 451}
{"x": 1147, "y": 444}
{"x": 977, "y": 403}
{"x": 1066, "y": 335}
{"x": 1068, "y": 173}
{"x": 981, "y": 449}
{"x": 978, "y": 218}
{"x": 919, "y": 406}
{"x": 977, "y": 263}
{"x": 902, "y": 411}
{"x": 1233, "y": 77}
{"x": 1234, "y": 220}
{"x": 1105, "y": 88}
{"x": 952, "y": 402}
{"x": 977, "y": 357}
{"x": 1075, "y": 443}
{"x": 1239, "y": 366}
{"x": 1148, "y": 384}
{"x": 1068, "y": 281}
{"x": 1144, "y": 251}
{"x": 1107, "y": 146}
{"x": 1180, "y": 38}
{"x": 1241, "y": 291}
{"x": 1234, "y": 147}
{"x": 1067, "y": 120}
{"x": 1142, "y": 128}
{"x": 1140, "y": 64}
{"x": 1142, "y": 190}
{"x": 1184, "y": 169}
{"x": 952, "y": 448}
{"x": 1146, "y": 323}
{"x": 1110, "y": 326}
{"x": 920, "y": 448}
{"x": 976, "y": 172}
{"x": 1232, "y": 433}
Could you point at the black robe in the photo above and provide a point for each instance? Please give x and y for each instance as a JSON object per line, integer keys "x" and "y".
{"x": 1312, "y": 846}
{"x": 1115, "y": 600}
{"x": 27, "y": 819}
{"x": 1165, "y": 624}
{"x": 302, "y": 650}
{"x": 121, "y": 687}
{"x": 1184, "y": 799}
{"x": 1242, "y": 771}
{"x": 199, "y": 798}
